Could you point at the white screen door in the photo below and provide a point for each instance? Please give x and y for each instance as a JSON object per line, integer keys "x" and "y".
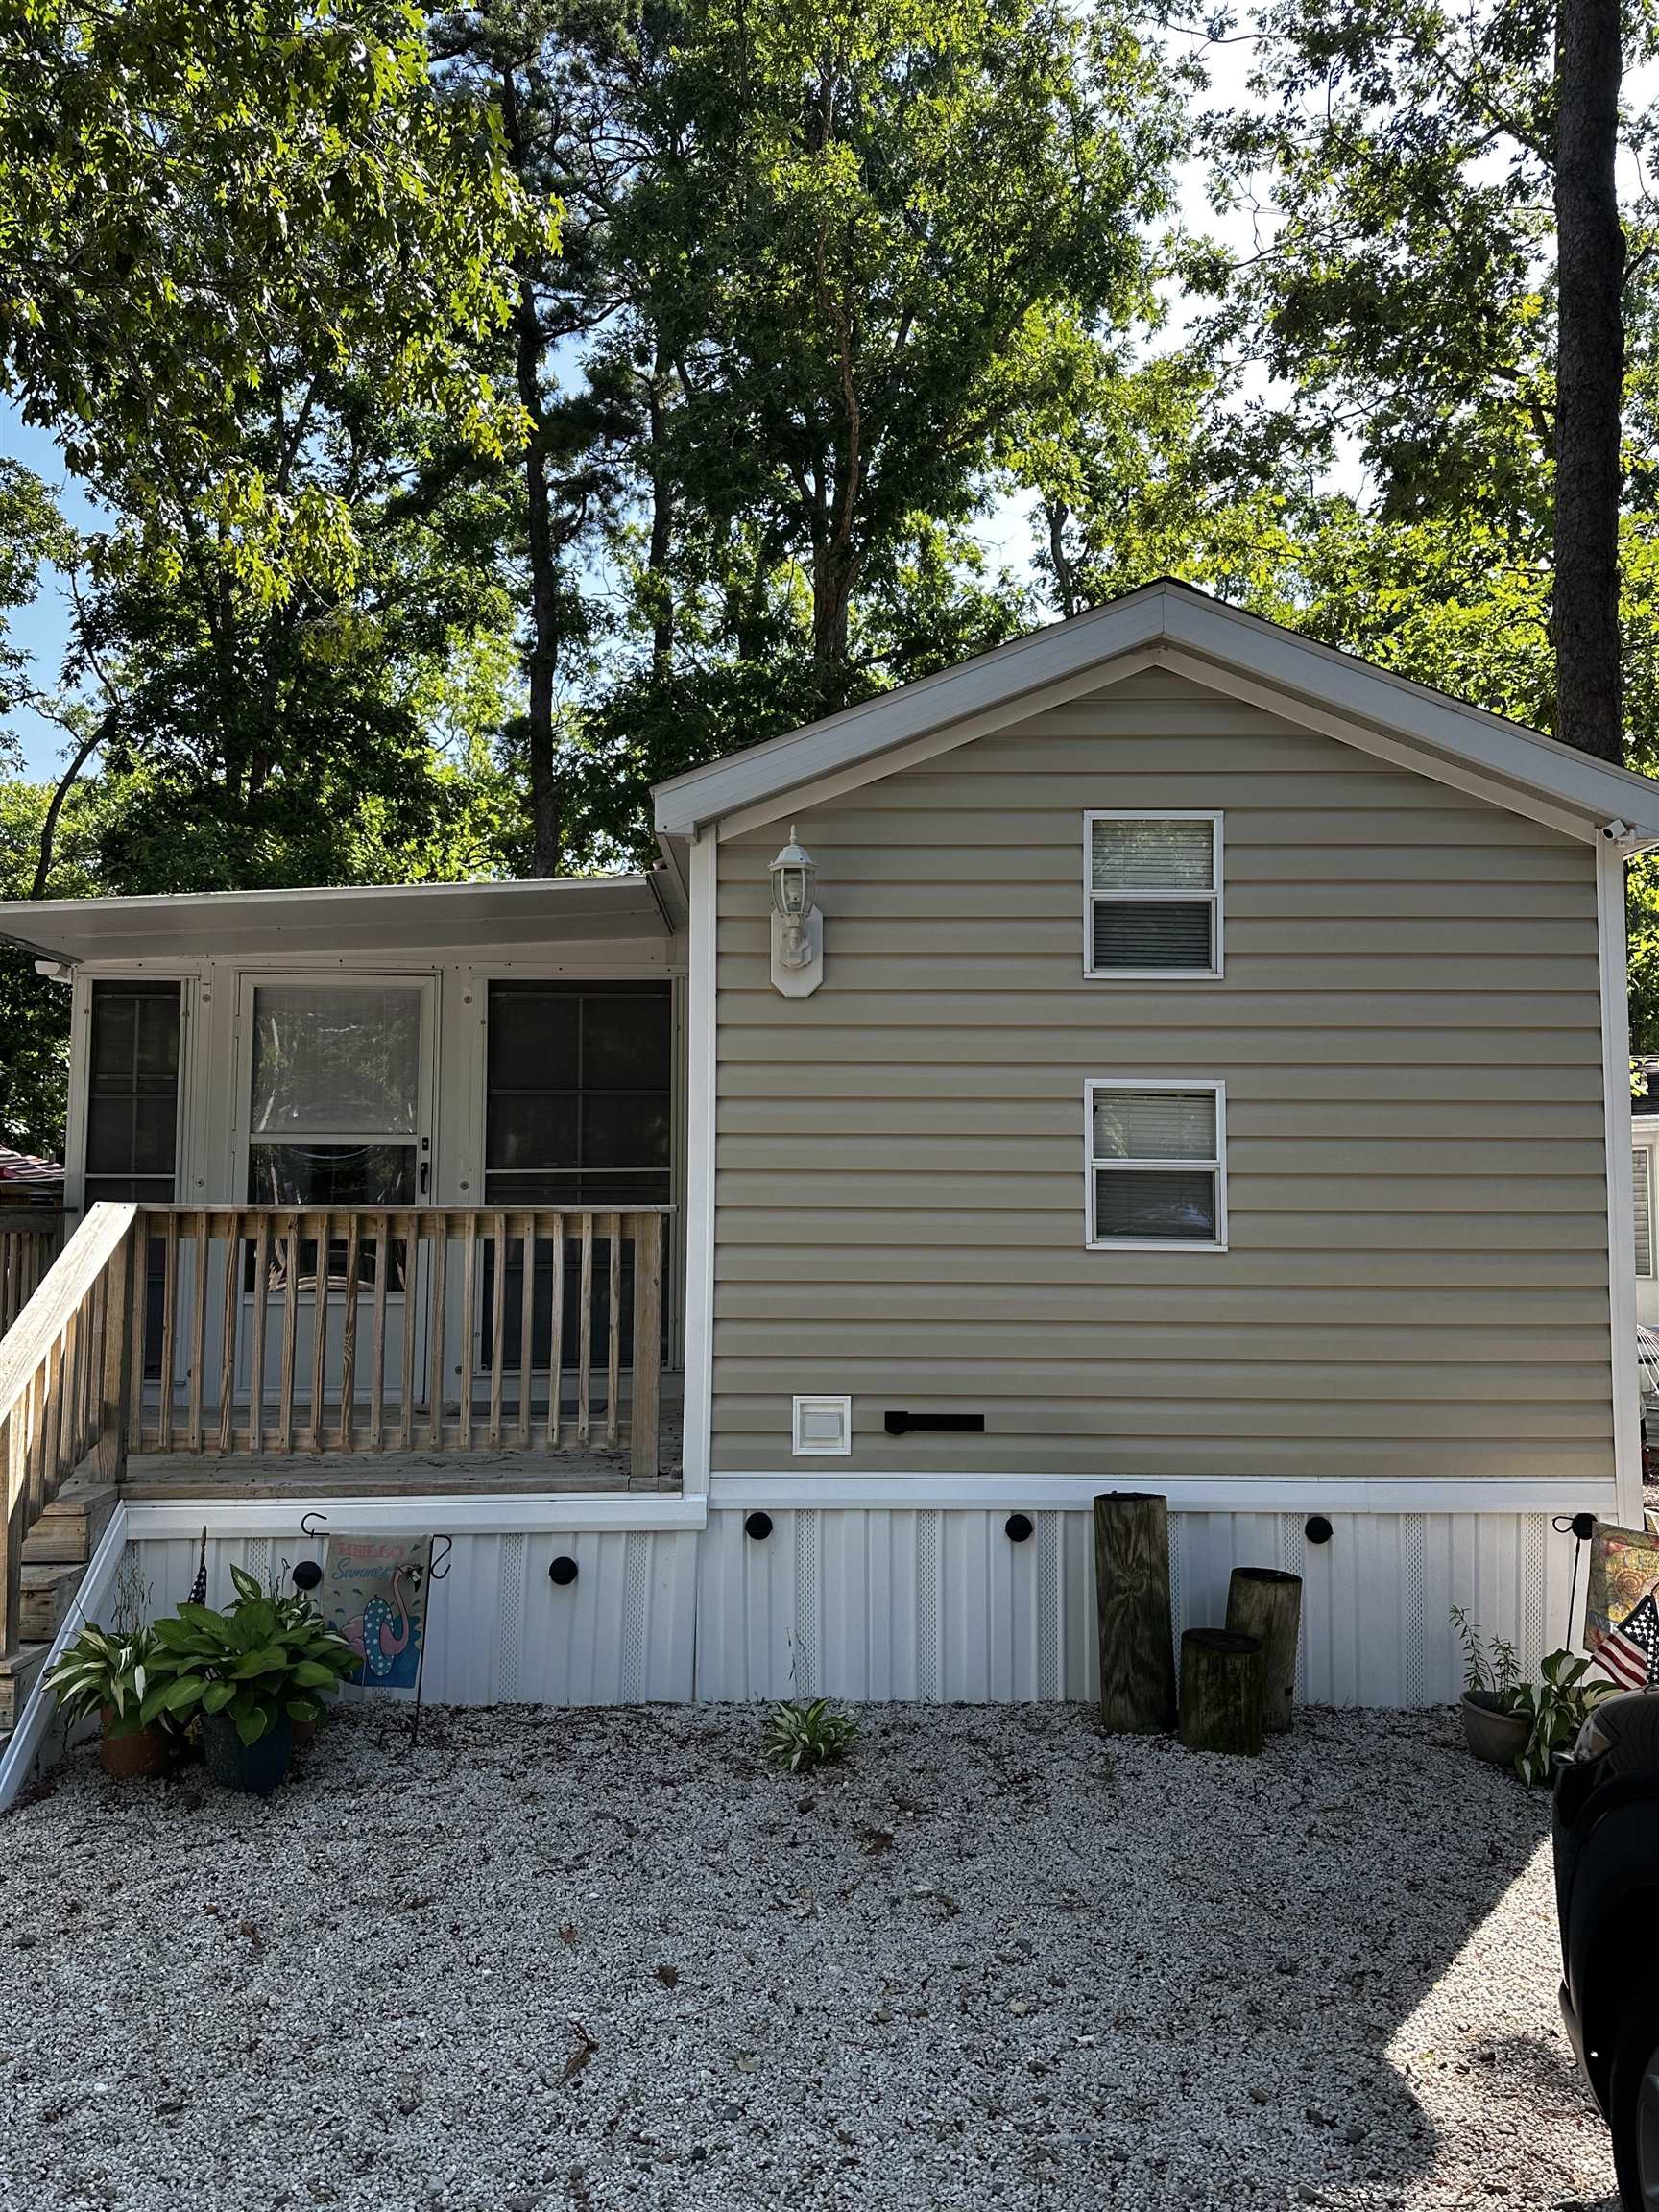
{"x": 336, "y": 1094}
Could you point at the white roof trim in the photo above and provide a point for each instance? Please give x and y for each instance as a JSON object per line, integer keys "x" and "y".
{"x": 1515, "y": 766}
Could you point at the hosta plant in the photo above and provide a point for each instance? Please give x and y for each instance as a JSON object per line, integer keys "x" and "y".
{"x": 102, "y": 1671}
{"x": 261, "y": 1660}
{"x": 1555, "y": 1710}
{"x": 807, "y": 1735}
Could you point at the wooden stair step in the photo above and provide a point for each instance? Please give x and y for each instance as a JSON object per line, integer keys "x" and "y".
{"x": 18, "y": 1669}
{"x": 66, "y": 1534}
{"x": 48, "y": 1593}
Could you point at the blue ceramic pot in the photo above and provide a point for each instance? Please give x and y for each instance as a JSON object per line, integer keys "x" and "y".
{"x": 253, "y": 1768}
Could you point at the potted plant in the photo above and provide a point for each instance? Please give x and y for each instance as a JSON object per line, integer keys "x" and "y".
{"x": 1494, "y": 1727}
{"x": 251, "y": 1673}
{"x": 111, "y": 1676}
{"x": 1554, "y": 1709}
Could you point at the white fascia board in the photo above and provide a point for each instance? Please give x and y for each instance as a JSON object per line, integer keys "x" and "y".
{"x": 471, "y": 1514}
{"x": 1461, "y": 734}
{"x": 990, "y": 683}
{"x": 1315, "y": 684}
{"x": 803, "y": 1492}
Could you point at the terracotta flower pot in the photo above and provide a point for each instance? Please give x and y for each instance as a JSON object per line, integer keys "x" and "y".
{"x": 141, "y": 1755}
{"x": 1490, "y": 1733}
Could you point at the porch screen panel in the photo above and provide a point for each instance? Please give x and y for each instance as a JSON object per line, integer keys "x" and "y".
{"x": 578, "y": 1113}
{"x": 133, "y": 1092}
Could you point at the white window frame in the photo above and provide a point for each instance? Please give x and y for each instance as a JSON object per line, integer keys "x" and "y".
{"x": 1090, "y": 1162}
{"x": 1143, "y": 896}
{"x": 1645, "y": 1274}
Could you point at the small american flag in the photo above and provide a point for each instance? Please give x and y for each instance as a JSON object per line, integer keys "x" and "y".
{"x": 1630, "y": 1653}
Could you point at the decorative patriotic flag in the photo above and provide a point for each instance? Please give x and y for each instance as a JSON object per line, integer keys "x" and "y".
{"x": 1622, "y": 1613}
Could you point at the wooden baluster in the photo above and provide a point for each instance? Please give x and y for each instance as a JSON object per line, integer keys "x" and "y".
{"x": 440, "y": 1262}
{"x": 645, "y": 1381}
{"x": 556, "y": 1356}
{"x": 290, "y": 1336}
{"x": 197, "y": 1227}
{"x": 229, "y": 1319}
{"x": 348, "y": 1332}
{"x": 614, "y": 1335}
{"x": 46, "y": 1412}
{"x": 468, "y": 1323}
{"x": 13, "y": 1526}
{"x": 169, "y": 1320}
{"x": 321, "y": 1226}
{"x": 526, "y": 1331}
{"x": 113, "y": 1368}
{"x": 256, "y": 1351}
{"x": 92, "y": 1367}
{"x": 377, "y": 1357}
{"x": 585, "y": 1339}
{"x": 497, "y": 1328}
{"x": 137, "y": 1336}
{"x": 411, "y": 1317}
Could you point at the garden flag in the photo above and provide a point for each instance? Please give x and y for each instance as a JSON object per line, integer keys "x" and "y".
{"x": 373, "y": 1592}
{"x": 1622, "y": 1613}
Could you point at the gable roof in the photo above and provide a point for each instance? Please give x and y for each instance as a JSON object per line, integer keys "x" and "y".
{"x": 1171, "y": 625}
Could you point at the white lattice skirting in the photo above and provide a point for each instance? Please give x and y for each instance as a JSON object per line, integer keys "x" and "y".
{"x": 883, "y": 1602}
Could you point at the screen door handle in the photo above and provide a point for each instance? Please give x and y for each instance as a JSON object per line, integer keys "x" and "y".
{"x": 425, "y": 1173}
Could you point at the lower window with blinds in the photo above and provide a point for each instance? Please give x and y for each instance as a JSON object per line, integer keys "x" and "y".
{"x": 1156, "y": 1164}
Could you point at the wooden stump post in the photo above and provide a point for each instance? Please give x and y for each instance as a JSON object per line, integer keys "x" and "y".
{"x": 1266, "y": 1602}
{"x": 1132, "y": 1600}
{"x": 1221, "y": 1692}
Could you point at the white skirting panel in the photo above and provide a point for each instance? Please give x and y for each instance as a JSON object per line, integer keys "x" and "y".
{"x": 886, "y": 1602}
{"x": 500, "y": 1631}
{"x": 877, "y": 1603}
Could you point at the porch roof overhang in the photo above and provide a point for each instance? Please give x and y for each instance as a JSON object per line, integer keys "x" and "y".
{"x": 362, "y": 918}
{"x": 1168, "y": 624}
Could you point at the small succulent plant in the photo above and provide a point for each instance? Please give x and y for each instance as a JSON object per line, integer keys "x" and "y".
{"x": 806, "y": 1734}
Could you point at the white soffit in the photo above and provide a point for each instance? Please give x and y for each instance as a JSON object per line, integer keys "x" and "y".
{"x": 540, "y": 915}
{"x": 1169, "y": 625}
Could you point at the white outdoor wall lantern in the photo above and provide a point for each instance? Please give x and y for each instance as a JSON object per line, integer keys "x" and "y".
{"x": 796, "y": 925}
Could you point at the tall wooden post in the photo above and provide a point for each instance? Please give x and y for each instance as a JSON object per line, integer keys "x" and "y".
{"x": 1266, "y": 1602}
{"x": 1132, "y": 1598}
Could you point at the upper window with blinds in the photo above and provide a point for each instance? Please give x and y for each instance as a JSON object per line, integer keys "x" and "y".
{"x": 1157, "y": 1164}
{"x": 1152, "y": 896}
{"x": 1642, "y": 1182}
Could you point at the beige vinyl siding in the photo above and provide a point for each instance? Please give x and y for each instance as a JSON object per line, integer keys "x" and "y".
{"x": 1408, "y": 1031}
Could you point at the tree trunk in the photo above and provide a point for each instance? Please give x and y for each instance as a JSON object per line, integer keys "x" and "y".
{"x": 1589, "y": 379}
{"x": 1132, "y": 1598}
{"x": 1221, "y": 1692}
{"x": 1267, "y": 1603}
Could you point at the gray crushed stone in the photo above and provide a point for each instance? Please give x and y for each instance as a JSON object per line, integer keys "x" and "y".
{"x": 604, "y": 1959}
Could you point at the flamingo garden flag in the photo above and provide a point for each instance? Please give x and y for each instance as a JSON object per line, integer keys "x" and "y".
{"x": 374, "y": 1592}
{"x": 1622, "y": 1614}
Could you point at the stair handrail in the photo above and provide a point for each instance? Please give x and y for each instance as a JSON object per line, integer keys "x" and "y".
{"x": 63, "y": 1381}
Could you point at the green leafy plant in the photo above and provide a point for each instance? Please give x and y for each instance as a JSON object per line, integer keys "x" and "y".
{"x": 806, "y": 1734}
{"x": 99, "y": 1669}
{"x": 263, "y": 1658}
{"x": 1490, "y": 1670}
{"x": 1556, "y": 1709}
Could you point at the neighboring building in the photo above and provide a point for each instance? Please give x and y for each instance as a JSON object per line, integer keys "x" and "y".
{"x": 1204, "y": 1069}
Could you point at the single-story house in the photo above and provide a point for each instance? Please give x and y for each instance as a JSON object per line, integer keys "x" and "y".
{"x": 1160, "y": 1054}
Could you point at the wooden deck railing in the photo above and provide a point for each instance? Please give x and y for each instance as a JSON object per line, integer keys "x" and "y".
{"x": 440, "y": 1329}
{"x": 249, "y": 1331}
{"x": 63, "y": 1369}
{"x": 31, "y": 1239}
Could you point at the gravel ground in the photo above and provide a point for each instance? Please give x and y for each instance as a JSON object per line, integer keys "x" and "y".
{"x": 602, "y": 1960}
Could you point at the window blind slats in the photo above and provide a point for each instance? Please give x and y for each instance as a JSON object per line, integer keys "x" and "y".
{"x": 1154, "y": 1124}
{"x": 1169, "y": 933}
{"x": 1155, "y": 1203}
{"x": 1153, "y": 855}
{"x": 1642, "y": 1178}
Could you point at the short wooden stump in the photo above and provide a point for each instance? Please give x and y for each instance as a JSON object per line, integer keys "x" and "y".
{"x": 1221, "y": 1682}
